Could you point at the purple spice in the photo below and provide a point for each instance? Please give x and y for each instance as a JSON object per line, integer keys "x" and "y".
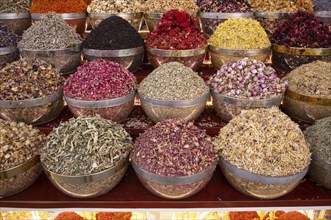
{"x": 100, "y": 80}
{"x": 7, "y": 36}
{"x": 225, "y": 6}
{"x": 173, "y": 148}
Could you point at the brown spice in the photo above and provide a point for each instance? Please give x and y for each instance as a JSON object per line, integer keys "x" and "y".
{"x": 58, "y": 6}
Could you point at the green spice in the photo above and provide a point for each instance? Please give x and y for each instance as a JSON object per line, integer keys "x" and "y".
{"x": 282, "y": 5}
{"x": 14, "y": 6}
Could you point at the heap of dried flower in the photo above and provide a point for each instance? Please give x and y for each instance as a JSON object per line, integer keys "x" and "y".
{"x": 225, "y": 6}
{"x": 160, "y": 6}
{"x": 282, "y": 5}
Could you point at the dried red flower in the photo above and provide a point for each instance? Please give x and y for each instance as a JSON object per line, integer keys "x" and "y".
{"x": 294, "y": 215}
{"x": 251, "y": 215}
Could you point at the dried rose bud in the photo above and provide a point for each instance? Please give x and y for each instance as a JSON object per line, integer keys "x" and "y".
{"x": 225, "y": 6}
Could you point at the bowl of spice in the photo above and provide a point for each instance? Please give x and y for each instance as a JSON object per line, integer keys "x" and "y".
{"x": 86, "y": 157}
{"x": 245, "y": 84}
{"x": 214, "y": 12}
{"x": 101, "y": 87}
{"x": 308, "y": 96}
{"x": 302, "y": 39}
{"x": 19, "y": 160}
{"x": 116, "y": 40}
{"x": 173, "y": 159}
{"x": 325, "y": 16}
{"x": 34, "y": 95}
{"x": 319, "y": 138}
{"x": 173, "y": 91}
{"x": 238, "y": 38}
{"x": 177, "y": 37}
{"x": 8, "y": 45}
{"x": 263, "y": 153}
{"x": 54, "y": 41}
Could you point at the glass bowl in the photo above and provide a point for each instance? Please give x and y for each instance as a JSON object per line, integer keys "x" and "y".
{"x": 159, "y": 110}
{"x": 174, "y": 187}
{"x": 270, "y": 20}
{"x": 18, "y": 22}
{"x": 192, "y": 58}
{"x": 135, "y": 19}
{"x": 8, "y": 55}
{"x": 259, "y": 186}
{"x": 220, "y": 56}
{"x": 286, "y": 59}
{"x": 88, "y": 186}
{"x": 319, "y": 171}
{"x": 65, "y": 60}
{"x": 20, "y": 177}
{"x": 210, "y": 20}
{"x": 32, "y": 111}
{"x": 131, "y": 59}
{"x": 152, "y": 19}
{"x": 228, "y": 107}
{"x": 117, "y": 109}
{"x": 306, "y": 108}
{"x": 75, "y": 20}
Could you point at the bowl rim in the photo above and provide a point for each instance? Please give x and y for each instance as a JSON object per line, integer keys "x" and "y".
{"x": 325, "y": 164}
{"x": 124, "y": 15}
{"x": 20, "y": 168}
{"x": 322, "y": 14}
{"x": 106, "y": 103}
{"x": 301, "y": 51}
{"x": 309, "y": 99}
{"x": 267, "y": 180}
{"x": 64, "y": 16}
{"x": 26, "y": 103}
{"x": 256, "y": 102}
{"x": 158, "y": 15}
{"x": 238, "y": 52}
{"x": 114, "y": 53}
{"x": 174, "y": 180}
{"x": 174, "y": 103}
{"x": 223, "y": 15}
{"x": 74, "y": 48}
{"x": 177, "y": 53}
{"x": 14, "y": 15}
{"x": 270, "y": 14}
{"x": 87, "y": 178}
{"x": 7, "y": 50}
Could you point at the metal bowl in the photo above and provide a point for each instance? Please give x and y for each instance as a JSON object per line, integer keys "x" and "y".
{"x": 228, "y": 107}
{"x": 319, "y": 171}
{"x": 152, "y": 19}
{"x": 20, "y": 177}
{"x": 18, "y": 22}
{"x": 325, "y": 16}
{"x": 65, "y": 60}
{"x": 286, "y": 59}
{"x": 8, "y": 55}
{"x": 270, "y": 20}
{"x": 32, "y": 111}
{"x": 117, "y": 109}
{"x": 174, "y": 187}
{"x": 259, "y": 186}
{"x": 88, "y": 186}
{"x": 210, "y": 20}
{"x": 306, "y": 108}
{"x": 135, "y": 19}
{"x": 192, "y": 58}
{"x": 220, "y": 56}
{"x": 131, "y": 59}
{"x": 75, "y": 20}
{"x": 159, "y": 110}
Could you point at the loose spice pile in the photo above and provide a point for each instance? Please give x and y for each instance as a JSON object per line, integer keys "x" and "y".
{"x": 173, "y": 148}
{"x": 247, "y": 78}
{"x": 319, "y": 137}
{"x": 160, "y": 6}
{"x": 302, "y": 29}
{"x": 225, "y": 6}
{"x": 312, "y": 79}
{"x": 114, "y": 6}
{"x": 51, "y": 32}
{"x": 19, "y": 143}
{"x": 7, "y": 36}
{"x": 69, "y": 216}
{"x": 29, "y": 79}
{"x": 99, "y": 80}
{"x": 265, "y": 142}
{"x": 173, "y": 81}
{"x": 113, "y": 33}
{"x": 58, "y": 6}
{"x": 282, "y": 5}
{"x": 14, "y": 6}
{"x": 85, "y": 145}
{"x": 242, "y": 33}
{"x": 322, "y": 5}
{"x": 177, "y": 30}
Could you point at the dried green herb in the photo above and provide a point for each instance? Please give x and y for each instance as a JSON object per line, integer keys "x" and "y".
{"x": 14, "y": 6}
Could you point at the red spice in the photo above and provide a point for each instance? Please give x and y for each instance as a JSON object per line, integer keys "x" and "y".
{"x": 58, "y": 6}
{"x": 177, "y": 30}
{"x": 252, "y": 215}
{"x": 113, "y": 216}
{"x": 294, "y": 215}
{"x": 69, "y": 216}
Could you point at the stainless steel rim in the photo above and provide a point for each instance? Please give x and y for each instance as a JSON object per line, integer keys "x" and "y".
{"x": 264, "y": 14}
{"x": 21, "y": 168}
{"x": 64, "y": 16}
{"x": 235, "y": 52}
{"x": 14, "y": 15}
{"x": 113, "y": 53}
{"x": 176, "y": 53}
{"x": 30, "y": 102}
{"x": 7, "y": 50}
{"x": 268, "y": 180}
{"x": 301, "y": 51}
{"x": 75, "y": 49}
{"x": 174, "y": 103}
{"x": 325, "y": 164}
{"x": 323, "y": 14}
{"x": 219, "y": 15}
{"x": 173, "y": 180}
{"x": 83, "y": 179}
{"x": 153, "y": 15}
{"x": 100, "y": 104}
{"x": 309, "y": 99}
{"x": 259, "y": 103}
{"x": 136, "y": 15}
